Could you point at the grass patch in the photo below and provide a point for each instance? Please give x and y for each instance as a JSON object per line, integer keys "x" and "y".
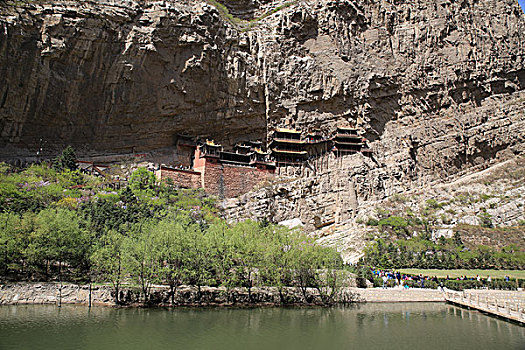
{"x": 244, "y": 25}
{"x": 513, "y": 274}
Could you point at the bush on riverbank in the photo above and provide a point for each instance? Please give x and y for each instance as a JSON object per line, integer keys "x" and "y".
{"x": 496, "y": 284}
{"x": 474, "y": 284}
{"x": 423, "y": 253}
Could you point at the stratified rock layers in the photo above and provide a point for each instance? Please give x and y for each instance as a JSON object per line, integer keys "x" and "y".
{"x": 121, "y": 78}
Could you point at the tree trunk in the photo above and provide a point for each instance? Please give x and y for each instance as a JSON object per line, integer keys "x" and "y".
{"x": 89, "y": 303}
{"x": 116, "y": 294}
{"x": 249, "y": 287}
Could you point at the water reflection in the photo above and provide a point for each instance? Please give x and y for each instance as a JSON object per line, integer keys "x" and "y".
{"x": 392, "y": 326}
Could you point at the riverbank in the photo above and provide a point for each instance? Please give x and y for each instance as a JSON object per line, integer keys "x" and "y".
{"x": 54, "y": 293}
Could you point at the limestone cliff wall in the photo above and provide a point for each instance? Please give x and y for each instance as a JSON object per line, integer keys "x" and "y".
{"x": 124, "y": 76}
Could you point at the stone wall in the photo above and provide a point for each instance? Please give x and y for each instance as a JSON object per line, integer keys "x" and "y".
{"x": 217, "y": 178}
{"x": 397, "y": 295}
{"x": 53, "y": 293}
{"x": 49, "y": 293}
{"x": 181, "y": 178}
{"x": 228, "y": 180}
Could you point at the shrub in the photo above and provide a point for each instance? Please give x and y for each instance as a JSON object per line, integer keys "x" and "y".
{"x": 372, "y": 222}
{"x": 433, "y": 204}
{"x": 486, "y": 219}
{"x": 399, "y": 198}
{"x": 484, "y": 197}
{"x": 66, "y": 160}
{"x": 397, "y": 223}
{"x": 474, "y": 284}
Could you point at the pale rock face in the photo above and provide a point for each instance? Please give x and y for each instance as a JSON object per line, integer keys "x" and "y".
{"x": 470, "y": 220}
{"x": 293, "y": 223}
{"x": 437, "y": 86}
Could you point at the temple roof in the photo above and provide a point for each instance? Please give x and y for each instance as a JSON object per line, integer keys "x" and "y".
{"x": 289, "y": 152}
{"x": 347, "y": 128}
{"x": 259, "y": 151}
{"x": 289, "y": 141}
{"x": 289, "y": 131}
{"x": 212, "y": 143}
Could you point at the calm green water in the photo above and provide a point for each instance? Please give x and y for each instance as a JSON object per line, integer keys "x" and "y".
{"x": 376, "y": 326}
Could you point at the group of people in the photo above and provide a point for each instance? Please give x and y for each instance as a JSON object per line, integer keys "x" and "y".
{"x": 477, "y": 278}
{"x": 399, "y": 279}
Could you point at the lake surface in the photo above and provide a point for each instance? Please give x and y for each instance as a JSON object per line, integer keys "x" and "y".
{"x": 375, "y": 326}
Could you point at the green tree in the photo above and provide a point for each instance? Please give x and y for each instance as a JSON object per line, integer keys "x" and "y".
{"x": 398, "y": 224}
{"x": 173, "y": 237}
{"x": 486, "y": 219}
{"x": 142, "y": 256}
{"x": 457, "y": 239}
{"x": 66, "y": 160}
{"x": 142, "y": 183}
{"x": 278, "y": 259}
{"x": 107, "y": 258}
{"x": 246, "y": 253}
{"x": 58, "y": 237}
{"x": 12, "y": 244}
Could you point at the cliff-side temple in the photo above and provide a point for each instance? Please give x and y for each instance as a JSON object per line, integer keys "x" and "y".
{"x": 288, "y": 148}
{"x": 348, "y": 140}
{"x": 227, "y": 174}
{"x": 222, "y": 173}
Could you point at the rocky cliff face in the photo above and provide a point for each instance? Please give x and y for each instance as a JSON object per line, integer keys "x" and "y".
{"x": 437, "y": 85}
{"x": 121, "y": 77}
{"x": 125, "y": 76}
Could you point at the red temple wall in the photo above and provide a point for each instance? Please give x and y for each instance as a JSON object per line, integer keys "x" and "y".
{"x": 219, "y": 179}
{"x": 224, "y": 180}
{"x": 181, "y": 178}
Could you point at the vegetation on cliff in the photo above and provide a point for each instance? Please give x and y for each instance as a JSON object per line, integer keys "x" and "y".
{"x": 476, "y": 223}
{"x": 65, "y": 225}
{"x": 242, "y": 24}
{"x": 446, "y": 253}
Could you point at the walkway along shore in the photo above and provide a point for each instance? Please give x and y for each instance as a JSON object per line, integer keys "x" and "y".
{"x": 510, "y": 307}
{"x": 55, "y": 293}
